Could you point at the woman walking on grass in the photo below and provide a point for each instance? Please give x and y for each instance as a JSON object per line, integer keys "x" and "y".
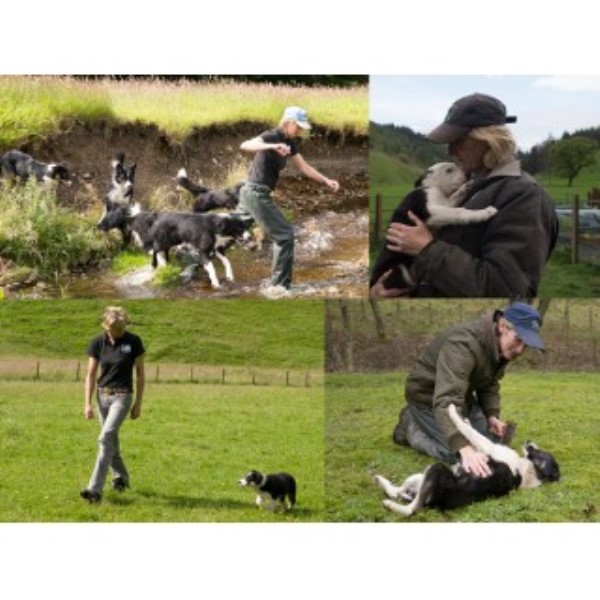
{"x": 116, "y": 351}
{"x": 271, "y": 150}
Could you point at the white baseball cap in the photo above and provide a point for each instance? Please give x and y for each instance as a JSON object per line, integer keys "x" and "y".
{"x": 297, "y": 115}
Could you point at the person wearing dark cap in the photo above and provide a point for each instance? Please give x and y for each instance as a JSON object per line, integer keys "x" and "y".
{"x": 463, "y": 366}
{"x": 271, "y": 150}
{"x": 502, "y": 257}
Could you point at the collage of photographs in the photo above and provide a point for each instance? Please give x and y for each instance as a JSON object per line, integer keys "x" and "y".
{"x": 299, "y": 299}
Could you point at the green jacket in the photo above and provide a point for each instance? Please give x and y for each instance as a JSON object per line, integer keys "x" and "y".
{"x": 461, "y": 366}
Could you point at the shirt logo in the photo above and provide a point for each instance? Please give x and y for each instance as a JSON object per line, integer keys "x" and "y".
{"x": 126, "y": 349}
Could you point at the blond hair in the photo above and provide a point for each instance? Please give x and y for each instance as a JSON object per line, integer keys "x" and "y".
{"x": 500, "y": 141}
{"x": 112, "y": 315}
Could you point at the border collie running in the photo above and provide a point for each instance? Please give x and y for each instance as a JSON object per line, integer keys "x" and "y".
{"x": 207, "y": 199}
{"x": 16, "y": 165}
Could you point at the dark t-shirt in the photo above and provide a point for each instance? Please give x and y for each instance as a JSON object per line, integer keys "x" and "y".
{"x": 116, "y": 360}
{"x": 267, "y": 164}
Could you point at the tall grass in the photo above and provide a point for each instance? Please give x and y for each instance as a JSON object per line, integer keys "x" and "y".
{"x": 37, "y": 233}
{"x": 38, "y": 106}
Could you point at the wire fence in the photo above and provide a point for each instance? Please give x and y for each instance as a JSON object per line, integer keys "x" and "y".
{"x": 74, "y": 370}
{"x": 579, "y": 227}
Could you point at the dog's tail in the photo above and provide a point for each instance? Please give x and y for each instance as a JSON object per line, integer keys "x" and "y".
{"x": 187, "y": 184}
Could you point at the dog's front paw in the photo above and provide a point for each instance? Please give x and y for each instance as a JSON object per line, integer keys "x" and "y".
{"x": 490, "y": 211}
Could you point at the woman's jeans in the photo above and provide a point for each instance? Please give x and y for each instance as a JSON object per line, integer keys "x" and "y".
{"x": 113, "y": 409}
{"x": 255, "y": 199}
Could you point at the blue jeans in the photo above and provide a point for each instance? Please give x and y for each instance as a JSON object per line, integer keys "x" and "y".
{"x": 255, "y": 199}
{"x": 113, "y": 409}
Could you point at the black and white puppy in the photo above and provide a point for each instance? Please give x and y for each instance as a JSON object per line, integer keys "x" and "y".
{"x": 122, "y": 180}
{"x": 207, "y": 199}
{"x": 17, "y": 165}
{"x": 435, "y": 200}
{"x": 444, "y": 487}
{"x": 274, "y": 490}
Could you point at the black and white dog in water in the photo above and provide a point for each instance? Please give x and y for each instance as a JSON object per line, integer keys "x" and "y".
{"x": 16, "y": 165}
{"x": 209, "y": 235}
{"x": 445, "y": 487}
{"x": 274, "y": 490}
{"x": 122, "y": 180}
{"x": 435, "y": 200}
{"x": 207, "y": 199}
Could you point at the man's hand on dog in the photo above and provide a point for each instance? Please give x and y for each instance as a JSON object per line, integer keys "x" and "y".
{"x": 408, "y": 239}
{"x": 474, "y": 462}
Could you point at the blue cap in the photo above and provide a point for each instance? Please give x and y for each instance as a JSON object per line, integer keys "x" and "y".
{"x": 527, "y": 323}
{"x": 297, "y": 115}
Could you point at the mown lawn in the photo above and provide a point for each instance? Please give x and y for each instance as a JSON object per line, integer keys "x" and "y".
{"x": 185, "y": 454}
{"x": 556, "y": 410}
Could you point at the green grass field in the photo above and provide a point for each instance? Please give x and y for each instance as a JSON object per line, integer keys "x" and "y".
{"x": 185, "y": 454}
{"x": 556, "y": 410}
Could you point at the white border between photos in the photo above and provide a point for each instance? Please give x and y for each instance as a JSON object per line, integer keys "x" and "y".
{"x": 298, "y": 562}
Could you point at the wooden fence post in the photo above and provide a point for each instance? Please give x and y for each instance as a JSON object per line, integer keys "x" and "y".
{"x": 223, "y": 376}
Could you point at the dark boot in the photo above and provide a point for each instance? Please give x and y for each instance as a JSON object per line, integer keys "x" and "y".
{"x": 401, "y": 429}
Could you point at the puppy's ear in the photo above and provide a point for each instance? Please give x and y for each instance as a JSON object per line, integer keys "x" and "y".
{"x": 419, "y": 182}
{"x": 120, "y": 157}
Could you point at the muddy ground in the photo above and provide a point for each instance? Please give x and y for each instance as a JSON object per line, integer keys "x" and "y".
{"x": 332, "y": 244}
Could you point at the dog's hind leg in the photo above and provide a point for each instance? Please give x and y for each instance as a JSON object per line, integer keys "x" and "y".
{"x": 212, "y": 274}
{"x": 389, "y": 489}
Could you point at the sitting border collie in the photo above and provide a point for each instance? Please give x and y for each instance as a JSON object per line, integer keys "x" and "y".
{"x": 208, "y": 234}
{"x": 16, "y": 165}
{"x": 435, "y": 201}
{"x": 122, "y": 180}
{"x": 207, "y": 199}
{"x": 444, "y": 487}
{"x": 276, "y": 489}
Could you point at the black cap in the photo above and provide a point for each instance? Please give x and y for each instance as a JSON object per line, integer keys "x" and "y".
{"x": 476, "y": 110}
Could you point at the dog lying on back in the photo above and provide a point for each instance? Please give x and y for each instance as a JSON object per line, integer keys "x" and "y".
{"x": 207, "y": 199}
{"x": 435, "y": 200}
{"x": 16, "y": 165}
{"x": 274, "y": 490}
{"x": 445, "y": 487}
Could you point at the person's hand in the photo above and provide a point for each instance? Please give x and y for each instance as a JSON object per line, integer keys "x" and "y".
{"x": 474, "y": 462}
{"x": 408, "y": 239}
{"x": 281, "y": 149}
{"x": 497, "y": 427}
{"x": 88, "y": 412}
{"x": 380, "y": 291}
{"x": 332, "y": 184}
{"x": 136, "y": 410}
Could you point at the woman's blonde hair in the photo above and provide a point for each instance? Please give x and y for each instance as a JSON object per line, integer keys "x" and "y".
{"x": 113, "y": 314}
{"x": 500, "y": 141}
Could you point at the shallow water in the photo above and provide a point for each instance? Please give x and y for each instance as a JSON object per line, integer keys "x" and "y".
{"x": 331, "y": 260}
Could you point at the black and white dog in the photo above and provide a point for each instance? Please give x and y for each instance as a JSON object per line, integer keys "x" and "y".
{"x": 444, "y": 487}
{"x": 435, "y": 200}
{"x": 277, "y": 489}
{"x": 122, "y": 180}
{"x": 16, "y": 165}
{"x": 209, "y": 235}
{"x": 207, "y": 199}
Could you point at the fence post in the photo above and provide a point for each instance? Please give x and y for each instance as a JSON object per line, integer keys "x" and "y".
{"x": 37, "y": 370}
{"x": 191, "y": 373}
{"x": 157, "y": 376}
{"x": 287, "y": 378}
{"x": 575, "y": 230}
{"x": 223, "y": 376}
{"x": 77, "y": 371}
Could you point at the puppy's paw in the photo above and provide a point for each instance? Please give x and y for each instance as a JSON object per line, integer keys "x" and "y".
{"x": 489, "y": 211}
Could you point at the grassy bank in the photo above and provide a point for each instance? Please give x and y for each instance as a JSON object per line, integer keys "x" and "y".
{"x": 236, "y": 332}
{"x": 42, "y": 106}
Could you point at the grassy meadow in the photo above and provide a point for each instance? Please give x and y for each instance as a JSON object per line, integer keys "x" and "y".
{"x": 185, "y": 453}
{"x": 555, "y": 410}
{"x": 41, "y": 106}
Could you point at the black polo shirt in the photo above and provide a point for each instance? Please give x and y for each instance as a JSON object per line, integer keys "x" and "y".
{"x": 116, "y": 360}
{"x": 267, "y": 164}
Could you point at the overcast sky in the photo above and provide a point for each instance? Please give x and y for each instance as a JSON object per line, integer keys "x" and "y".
{"x": 544, "y": 105}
